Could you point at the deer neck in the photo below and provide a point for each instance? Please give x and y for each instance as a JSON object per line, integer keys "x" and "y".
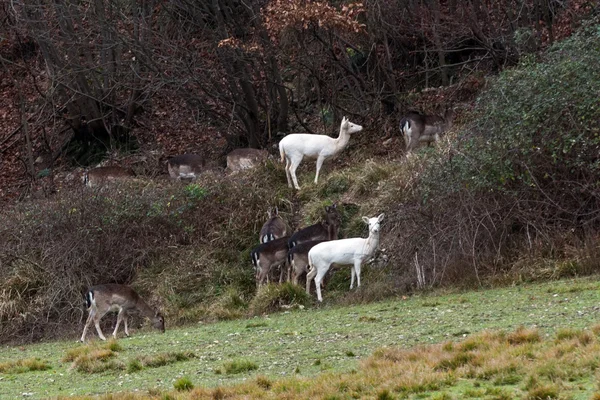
{"x": 332, "y": 231}
{"x": 145, "y": 309}
{"x": 371, "y": 244}
{"x": 342, "y": 140}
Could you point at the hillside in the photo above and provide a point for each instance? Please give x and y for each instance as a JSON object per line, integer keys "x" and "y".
{"x": 511, "y": 194}
{"x": 485, "y": 281}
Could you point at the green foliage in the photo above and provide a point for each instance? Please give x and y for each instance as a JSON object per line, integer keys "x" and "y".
{"x": 162, "y": 359}
{"x": 134, "y": 366}
{"x": 239, "y": 366}
{"x": 183, "y": 384}
{"x": 538, "y": 115}
{"x": 195, "y": 192}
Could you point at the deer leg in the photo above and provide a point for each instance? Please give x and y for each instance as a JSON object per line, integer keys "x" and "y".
{"x": 407, "y": 135}
{"x": 309, "y": 277}
{"x": 293, "y": 167}
{"x": 125, "y": 322}
{"x": 287, "y": 171}
{"x": 357, "y": 270}
{"x": 119, "y": 319}
{"x": 352, "y": 273}
{"x": 264, "y": 275}
{"x": 88, "y": 322}
{"x": 320, "y": 160}
{"x": 97, "y": 324}
{"x": 318, "y": 280}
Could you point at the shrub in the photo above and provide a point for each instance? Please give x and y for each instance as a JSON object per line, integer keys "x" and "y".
{"x": 159, "y": 236}
{"x": 25, "y": 365}
{"x": 273, "y": 297}
{"x": 523, "y": 335}
{"x": 239, "y": 366}
{"x": 522, "y": 178}
{"x": 161, "y": 359}
{"x": 183, "y": 384}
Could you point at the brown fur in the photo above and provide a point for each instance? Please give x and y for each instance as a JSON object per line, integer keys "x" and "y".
{"x": 419, "y": 128}
{"x": 324, "y": 230}
{"x": 186, "y": 166}
{"x": 102, "y": 299}
{"x": 274, "y": 228}
{"x": 103, "y": 175}
{"x": 268, "y": 255}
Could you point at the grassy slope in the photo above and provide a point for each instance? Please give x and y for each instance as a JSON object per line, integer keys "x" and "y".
{"x": 291, "y": 343}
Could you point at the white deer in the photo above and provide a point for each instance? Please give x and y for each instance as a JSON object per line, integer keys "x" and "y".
{"x": 352, "y": 251}
{"x": 294, "y": 147}
{"x": 102, "y": 299}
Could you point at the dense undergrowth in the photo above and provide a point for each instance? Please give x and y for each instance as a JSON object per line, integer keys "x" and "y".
{"x": 514, "y": 194}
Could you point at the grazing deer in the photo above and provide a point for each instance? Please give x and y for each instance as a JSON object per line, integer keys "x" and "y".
{"x": 241, "y": 159}
{"x": 101, "y": 176}
{"x": 352, "y": 251}
{"x": 102, "y": 299}
{"x": 298, "y": 258}
{"x": 185, "y": 166}
{"x": 274, "y": 228}
{"x": 294, "y": 147}
{"x": 268, "y": 255}
{"x": 324, "y": 230}
{"x": 419, "y": 128}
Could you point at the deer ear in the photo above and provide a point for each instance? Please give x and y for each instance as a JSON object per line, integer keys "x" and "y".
{"x": 366, "y": 220}
{"x": 380, "y": 218}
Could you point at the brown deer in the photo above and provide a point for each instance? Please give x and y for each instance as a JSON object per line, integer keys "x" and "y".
{"x": 101, "y": 176}
{"x": 420, "y": 128}
{"x": 274, "y": 228}
{"x": 298, "y": 259}
{"x": 185, "y": 166}
{"x": 268, "y": 255}
{"x": 102, "y": 299}
{"x": 324, "y": 230}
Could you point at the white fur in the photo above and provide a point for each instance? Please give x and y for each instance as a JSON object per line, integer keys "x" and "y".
{"x": 352, "y": 251}
{"x": 294, "y": 147}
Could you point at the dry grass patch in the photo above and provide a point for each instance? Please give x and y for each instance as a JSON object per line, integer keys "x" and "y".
{"x": 83, "y": 350}
{"x": 95, "y": 357}
{"x": 25, "y": 365}
{"x": 523, "y": 335}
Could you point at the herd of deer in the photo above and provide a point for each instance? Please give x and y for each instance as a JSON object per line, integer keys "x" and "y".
{"x": 311, "y": 250}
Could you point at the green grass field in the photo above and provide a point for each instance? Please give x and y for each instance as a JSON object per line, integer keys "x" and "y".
{"x": 331, "y": 344}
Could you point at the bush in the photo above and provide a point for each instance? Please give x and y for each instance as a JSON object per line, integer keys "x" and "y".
{"x": 239, "y": 366}
{"x": 159, "y": 236}
{"x": 522, "y": 179}
{"x": 270, "y": 298}
{"x": 183, "y": 384}
{"x": 25, "y": 365}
